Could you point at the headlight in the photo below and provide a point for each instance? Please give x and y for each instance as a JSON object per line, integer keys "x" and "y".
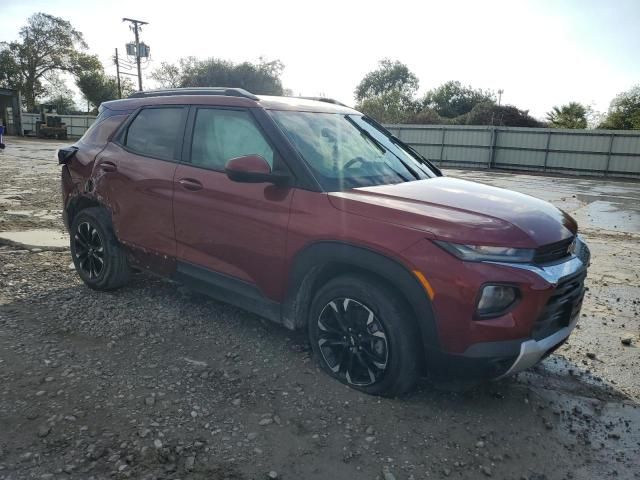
{"x": 478, "y": 253}
{"x": 495, "y": 300}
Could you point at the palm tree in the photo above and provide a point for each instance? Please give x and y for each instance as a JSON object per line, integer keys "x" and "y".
{"x": 571, "y": 115}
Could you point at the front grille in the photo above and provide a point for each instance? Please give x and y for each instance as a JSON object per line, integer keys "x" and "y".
{"x": 553, "y": 251}
{"x": 563, "y": 305}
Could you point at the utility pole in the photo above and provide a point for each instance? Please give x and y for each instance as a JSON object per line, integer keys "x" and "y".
{"x": 118, "y": 75}
{"x": 136, "y": 24}
{"x": 500, "y": 92}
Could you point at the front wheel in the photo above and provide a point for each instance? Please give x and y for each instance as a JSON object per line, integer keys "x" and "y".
{"x": 364, "y": 335}
{"x": 97, "y": 255}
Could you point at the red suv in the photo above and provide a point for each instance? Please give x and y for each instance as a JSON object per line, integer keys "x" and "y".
{"x": 313, "y": 215}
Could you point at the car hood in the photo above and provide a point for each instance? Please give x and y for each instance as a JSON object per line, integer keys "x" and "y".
{"x": 461, "y": 211}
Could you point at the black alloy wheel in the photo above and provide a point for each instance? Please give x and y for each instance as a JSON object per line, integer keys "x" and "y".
{"x": 364, "y": 335}
{"x": 89, "y": 250}
{"x": 352, "y": 342}
{"x": 100, "y": 260}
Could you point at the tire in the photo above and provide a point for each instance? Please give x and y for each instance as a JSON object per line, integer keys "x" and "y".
{"x": 383, "y": 344}
{"x": 100, "y": 260}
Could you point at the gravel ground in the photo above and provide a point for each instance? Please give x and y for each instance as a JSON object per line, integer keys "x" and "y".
{"x": 156, "y": 382}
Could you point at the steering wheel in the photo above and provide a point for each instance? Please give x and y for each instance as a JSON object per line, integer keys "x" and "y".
{"x": 353, "y": 161}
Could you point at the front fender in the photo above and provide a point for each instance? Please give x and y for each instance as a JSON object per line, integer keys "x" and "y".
{"x": 308, "y": 267}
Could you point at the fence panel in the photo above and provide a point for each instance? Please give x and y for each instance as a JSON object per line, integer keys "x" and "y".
{"x": 601, "y": 152}
{"x": 76, "y": 124}
{"x": 29, "y": 122}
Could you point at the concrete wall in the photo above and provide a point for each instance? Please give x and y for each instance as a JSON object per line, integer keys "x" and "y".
{"x": 599, "y": 152}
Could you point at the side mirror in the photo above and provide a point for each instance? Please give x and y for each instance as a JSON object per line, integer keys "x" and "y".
{"x": 253, "y": 169}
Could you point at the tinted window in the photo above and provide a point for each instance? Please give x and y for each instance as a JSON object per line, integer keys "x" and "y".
{"x": 154, "y": 132}
{"x": 103, "y": 114}
{"x": 220, "y": 135}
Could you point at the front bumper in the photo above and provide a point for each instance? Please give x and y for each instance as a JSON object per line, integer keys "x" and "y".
{"x": 554, "y": 321}
{"x": 532, "y": 351}
{"x": 522, "y": 354}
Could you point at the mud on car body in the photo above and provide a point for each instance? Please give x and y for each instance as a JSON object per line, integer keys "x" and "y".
{"x": 310, "y": 214}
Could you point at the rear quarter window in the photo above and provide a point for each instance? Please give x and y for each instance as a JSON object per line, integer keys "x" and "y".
{"x": 154, "y": 132}
{"x": 104, "y": 125}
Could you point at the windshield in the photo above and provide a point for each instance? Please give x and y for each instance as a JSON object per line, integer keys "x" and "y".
{"x": 346, "y": 151}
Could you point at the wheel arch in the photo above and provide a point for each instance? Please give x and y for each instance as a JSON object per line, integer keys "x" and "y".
{"x": 77, "y": 204}
{"x": 317, "y": 263}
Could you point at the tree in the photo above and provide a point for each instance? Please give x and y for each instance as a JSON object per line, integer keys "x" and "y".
{"x": 387, "y": 92}
{"x": 488, "y": 113}
{"x": 9, "y": 69}
{"x": 571, "y": 115}
{"x": 389, "y": 107}
{"x": 47, "y": 45}
{"x": 453, "y": 99}
{"x": 59, "y": 95}
{"x": 389, "y": 76}
{"x": 63, "y": 105}
{"x": 97, "y": 87}
{"x": 595, "y": 117}
{"x": 427, "y": 116}
{"x": 167, "y": 75}
{"x": 624, "y": 111}
{"x": 259, "y": 78}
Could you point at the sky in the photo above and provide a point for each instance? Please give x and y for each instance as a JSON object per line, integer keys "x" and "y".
{"x": 540, "y": 52}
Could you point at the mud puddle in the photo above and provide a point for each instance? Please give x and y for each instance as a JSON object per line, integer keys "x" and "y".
{"x": 607, "y": 215}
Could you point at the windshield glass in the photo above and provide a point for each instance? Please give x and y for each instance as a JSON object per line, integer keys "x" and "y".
{"x": 344, "y": 151}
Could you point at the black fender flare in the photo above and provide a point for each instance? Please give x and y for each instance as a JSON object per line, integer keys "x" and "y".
{"x": 77, "y": 201}
{"x": 308, "y": 266}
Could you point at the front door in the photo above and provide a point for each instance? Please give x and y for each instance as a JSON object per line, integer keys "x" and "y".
{"x": 234, "y": 230}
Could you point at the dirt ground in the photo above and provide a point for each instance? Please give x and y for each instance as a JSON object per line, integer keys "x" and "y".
{"x": 156, "y": 382}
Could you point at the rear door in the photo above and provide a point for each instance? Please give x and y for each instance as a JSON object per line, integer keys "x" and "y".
{"x": 227, "y": 230}
{"x": 135, "y": 179}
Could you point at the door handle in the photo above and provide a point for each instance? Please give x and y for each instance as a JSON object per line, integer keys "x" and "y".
{"x": 108, "y": 167}
{"x": 190, "y": 184}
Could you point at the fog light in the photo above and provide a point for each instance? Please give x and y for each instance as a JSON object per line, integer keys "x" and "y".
{"x": 495, "y": 300}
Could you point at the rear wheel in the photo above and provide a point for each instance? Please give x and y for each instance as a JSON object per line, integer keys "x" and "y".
{"x": 365, "y": 336}
{"x": 97, "y": 255}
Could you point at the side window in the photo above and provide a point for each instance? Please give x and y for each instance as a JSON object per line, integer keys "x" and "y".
{"x": 220, "y": 135}
{"x": 155, "y": 132}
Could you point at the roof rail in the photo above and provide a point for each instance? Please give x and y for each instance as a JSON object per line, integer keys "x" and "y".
{"x": 168, "y": 92}
{"x": 325, "y": 100}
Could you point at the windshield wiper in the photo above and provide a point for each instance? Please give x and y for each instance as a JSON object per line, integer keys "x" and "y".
{"x": 421, "y": 158}
{"x": 381, "y": 147}
{"x": 414, "y": 153}
{"x": 366, "y": 134}
{"x": 390, "y": 167}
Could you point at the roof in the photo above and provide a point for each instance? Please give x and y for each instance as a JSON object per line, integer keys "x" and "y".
{"x": 8, "y": 91}
{"x": 223, "y": 96}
